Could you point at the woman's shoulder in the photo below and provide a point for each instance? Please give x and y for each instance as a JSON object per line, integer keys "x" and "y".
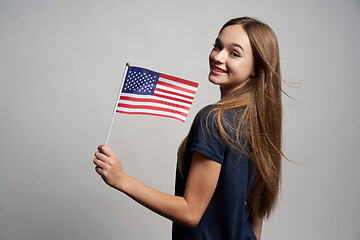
{"x": 212, "y": 111}
{"x": 207, "y": 115}
{"x": 208, "y": 110}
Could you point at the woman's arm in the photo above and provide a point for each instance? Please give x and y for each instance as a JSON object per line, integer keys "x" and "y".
{"x": 256, "y": 224}
{"x": 187, "y": 210}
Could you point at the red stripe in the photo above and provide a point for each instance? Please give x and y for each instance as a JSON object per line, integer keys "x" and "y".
{"x": 173, "y": 93}
{"x": 175, "y": 87}
{"x": 152, "y": 108}
{"x": 153, "y": 114}
{"x": 179, "y": 80}
{"x": 171, "y": 98}
{"x": 153, "y": 101}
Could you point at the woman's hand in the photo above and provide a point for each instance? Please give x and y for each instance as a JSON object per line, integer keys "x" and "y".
{"x": 108, "y": 166}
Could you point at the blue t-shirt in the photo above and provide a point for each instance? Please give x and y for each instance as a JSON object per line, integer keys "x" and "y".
{"x": 227, "y": 216}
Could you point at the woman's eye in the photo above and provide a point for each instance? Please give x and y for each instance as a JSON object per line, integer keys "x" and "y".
{"x": 235, "y": 54}
{"x": 216, "y": 47}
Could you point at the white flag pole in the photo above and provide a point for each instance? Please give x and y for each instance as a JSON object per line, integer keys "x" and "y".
{"x": 116, "y": 103}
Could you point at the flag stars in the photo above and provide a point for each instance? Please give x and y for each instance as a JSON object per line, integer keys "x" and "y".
{"x": 140, "y": 82}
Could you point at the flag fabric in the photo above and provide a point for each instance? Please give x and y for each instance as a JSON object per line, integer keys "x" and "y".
{"x": 152, "y": 93}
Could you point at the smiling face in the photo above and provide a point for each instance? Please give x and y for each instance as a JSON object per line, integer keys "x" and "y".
{"x": 231, "y": 60}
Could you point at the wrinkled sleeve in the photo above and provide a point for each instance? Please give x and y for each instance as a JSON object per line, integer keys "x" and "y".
{"x": 206, "y": 137}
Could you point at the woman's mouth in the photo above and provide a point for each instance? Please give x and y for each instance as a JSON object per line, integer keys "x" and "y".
{"x": 217, "y": 70}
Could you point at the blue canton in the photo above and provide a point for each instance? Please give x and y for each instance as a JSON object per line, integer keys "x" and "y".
{"x": 140, "y": 81}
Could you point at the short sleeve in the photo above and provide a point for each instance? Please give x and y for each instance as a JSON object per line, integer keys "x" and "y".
{"x": 205, "y": 136}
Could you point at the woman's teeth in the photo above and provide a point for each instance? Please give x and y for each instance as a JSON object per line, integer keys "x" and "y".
{"x": 218, "y": 69}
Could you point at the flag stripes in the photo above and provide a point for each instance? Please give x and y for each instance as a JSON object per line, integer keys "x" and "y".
{"x": 154, "y": 108}
{"x": 179, "y": 80}
{"x": 170, "y": 87}
{"x": 170, "y": 92}
{"x": 155, "y": 97}
{"x": 149, "y": 112}
{"x": 124, "y": 99}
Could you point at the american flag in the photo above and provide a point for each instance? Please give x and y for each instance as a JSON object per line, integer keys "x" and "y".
{"x": 152, "y": 93}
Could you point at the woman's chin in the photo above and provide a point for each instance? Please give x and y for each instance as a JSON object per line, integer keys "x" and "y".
{"x": 213, "y": 79}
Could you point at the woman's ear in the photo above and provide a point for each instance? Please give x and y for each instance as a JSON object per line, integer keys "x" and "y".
{"x": 254, "y": 75}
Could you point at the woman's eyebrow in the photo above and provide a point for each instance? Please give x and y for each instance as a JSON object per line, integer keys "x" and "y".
{"x": 238, "y": 45}
{"x": 217, "y": 40}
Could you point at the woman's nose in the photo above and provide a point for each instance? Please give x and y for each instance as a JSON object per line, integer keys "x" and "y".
{"x": 220, "y": 56}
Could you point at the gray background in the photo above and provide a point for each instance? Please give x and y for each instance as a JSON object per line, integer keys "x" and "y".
{"x": 61, "y": 63}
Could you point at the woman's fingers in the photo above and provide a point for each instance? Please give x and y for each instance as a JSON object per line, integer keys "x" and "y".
{"x": 100, "y": 156}
{"x": 108, "y": 166}
{"x": 98, "y": 170}
{"x": 99, "y": 163}
{"x": 105, "y": 149}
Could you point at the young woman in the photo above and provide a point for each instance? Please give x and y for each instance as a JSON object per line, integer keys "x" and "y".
{"x": 229, "y": 165}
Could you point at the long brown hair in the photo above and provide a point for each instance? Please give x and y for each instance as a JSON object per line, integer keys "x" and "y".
{"x": 260, "y": 100}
